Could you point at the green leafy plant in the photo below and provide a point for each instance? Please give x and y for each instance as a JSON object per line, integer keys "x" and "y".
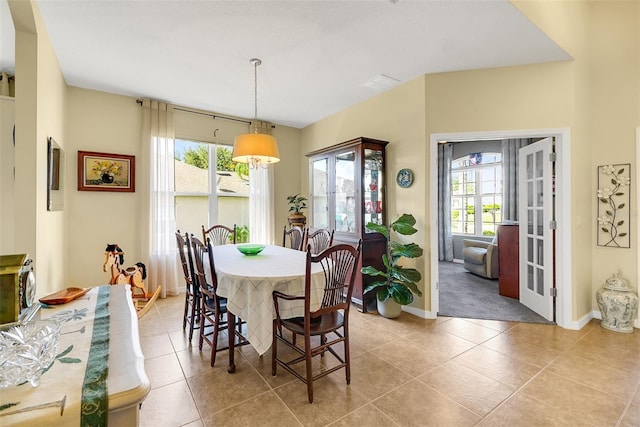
{"x": 397, "y": 282}
{"x": 296, "y": 203}
{"x": 242, "y": 234}
{"x": 242, "y": 170}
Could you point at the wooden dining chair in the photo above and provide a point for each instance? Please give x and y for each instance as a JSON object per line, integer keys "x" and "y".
{"x": 295, "y": 237}
{"x": 213, "y": 308}
{"x": 219, "y": 234}
{"x": 319, "y": 240}
{"x": 339, "y": 265}
{"x": 191, "y": 295}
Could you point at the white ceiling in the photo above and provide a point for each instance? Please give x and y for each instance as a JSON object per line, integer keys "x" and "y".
{"x": 316, "y": 55}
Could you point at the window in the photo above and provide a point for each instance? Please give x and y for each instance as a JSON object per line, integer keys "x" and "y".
{"x": 209, "y": 187}
{"x": 476, "y": 182}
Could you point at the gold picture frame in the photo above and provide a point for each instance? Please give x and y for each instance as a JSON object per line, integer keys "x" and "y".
{"x": 106, "y": 172}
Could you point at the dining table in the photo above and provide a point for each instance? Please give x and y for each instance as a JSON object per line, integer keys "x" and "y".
{"x": 248, "y": 282}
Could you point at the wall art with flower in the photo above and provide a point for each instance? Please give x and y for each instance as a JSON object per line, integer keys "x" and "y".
{"x": 613, "y": 205}
{"x": 106, "y": 172}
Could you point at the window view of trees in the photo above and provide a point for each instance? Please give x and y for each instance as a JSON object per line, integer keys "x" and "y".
{"x": 198, "y": 156}
{"x": 206, "y": 195}
{"x": 476, "y": 180}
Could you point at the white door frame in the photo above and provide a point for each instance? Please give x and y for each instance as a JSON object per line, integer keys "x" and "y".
{"x": 564, "y": 299}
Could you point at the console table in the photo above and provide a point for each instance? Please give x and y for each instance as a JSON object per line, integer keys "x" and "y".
{"x": 55, "y": 401}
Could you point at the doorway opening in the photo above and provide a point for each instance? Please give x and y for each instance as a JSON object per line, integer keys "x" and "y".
{"x": 561, "y": 191}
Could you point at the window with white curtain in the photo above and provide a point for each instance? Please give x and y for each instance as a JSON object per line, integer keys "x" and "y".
{"x": 210, "y": 188}
{"x": 476, "y": 194}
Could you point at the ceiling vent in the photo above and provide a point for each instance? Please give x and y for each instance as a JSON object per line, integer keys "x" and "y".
{"x": 381, "y": 82}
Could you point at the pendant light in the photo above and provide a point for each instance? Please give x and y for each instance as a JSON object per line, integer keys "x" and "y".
{"x": 256, "y": 149}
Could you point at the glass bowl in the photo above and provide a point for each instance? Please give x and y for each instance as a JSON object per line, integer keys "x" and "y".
{"x": 27, "y": 350}
{"x": 250, "y": 249}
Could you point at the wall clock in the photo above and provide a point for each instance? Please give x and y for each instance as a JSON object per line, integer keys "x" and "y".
{"x": 404, "y": 178}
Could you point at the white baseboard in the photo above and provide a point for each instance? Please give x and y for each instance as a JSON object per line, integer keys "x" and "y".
{"x": 419, "y": 312}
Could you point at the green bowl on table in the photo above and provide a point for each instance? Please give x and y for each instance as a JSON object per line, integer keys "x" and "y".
{"x": 250, "y": 249}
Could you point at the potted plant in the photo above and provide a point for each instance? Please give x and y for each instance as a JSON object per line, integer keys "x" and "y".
{"x": 296, "y": 204}
{"x": 397, "y": 284}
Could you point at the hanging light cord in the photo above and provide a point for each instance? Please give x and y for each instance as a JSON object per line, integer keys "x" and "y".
{"x": 255, "y": 62}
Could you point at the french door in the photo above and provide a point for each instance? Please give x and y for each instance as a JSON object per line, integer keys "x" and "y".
{"x": 536, "y": 217}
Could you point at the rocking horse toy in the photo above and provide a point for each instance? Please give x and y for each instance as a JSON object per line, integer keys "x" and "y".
{"x": 133, "y": 276}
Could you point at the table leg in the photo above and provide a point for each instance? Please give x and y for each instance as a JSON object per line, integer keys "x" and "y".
{"x": 231, "y": 327}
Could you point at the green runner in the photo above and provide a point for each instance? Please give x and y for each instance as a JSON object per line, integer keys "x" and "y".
{"x": 95, "y": 405}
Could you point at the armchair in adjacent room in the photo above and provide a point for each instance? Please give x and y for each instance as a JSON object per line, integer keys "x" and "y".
{"x": 481, "y": 257}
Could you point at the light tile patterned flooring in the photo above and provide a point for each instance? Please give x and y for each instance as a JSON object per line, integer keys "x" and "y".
{"x": 405, "y": 372}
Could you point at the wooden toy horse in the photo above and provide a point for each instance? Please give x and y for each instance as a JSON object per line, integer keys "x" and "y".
{"x": 133, "y": 276}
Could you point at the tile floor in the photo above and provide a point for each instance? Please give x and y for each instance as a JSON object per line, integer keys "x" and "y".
{"x": 405, "y": 372}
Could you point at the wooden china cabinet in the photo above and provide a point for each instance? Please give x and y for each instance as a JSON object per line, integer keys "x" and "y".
{"x": 347, "y": 191}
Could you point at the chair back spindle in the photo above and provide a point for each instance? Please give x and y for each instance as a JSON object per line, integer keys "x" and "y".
{"x": 219, "y": 235}
{"x": 319, "y": 240}
{"x": 296, "y": 237}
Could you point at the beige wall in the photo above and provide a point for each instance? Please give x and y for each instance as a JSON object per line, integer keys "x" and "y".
{"x": 7, "y": 154}
{"x": 110, "y": 124}
{"x": 614, "y": 109}
{"x": 40, "y": 113}
{"x": 287, "y": 175}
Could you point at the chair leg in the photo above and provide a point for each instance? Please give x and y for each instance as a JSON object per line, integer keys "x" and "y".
{"x": 347, "y": 359}
{"x": 202, "y": 329}
{"x": 186, "y": 311}
{"x": 307, "y": 356}
{"x": 214, "y": 343}
{"x": 274, "y": 349}
{"x": 195, "y": 314}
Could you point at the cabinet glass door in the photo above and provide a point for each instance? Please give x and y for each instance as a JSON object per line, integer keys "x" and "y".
{"x": 320, "y": 193}
{"x": 373, "y": 197}
{"x": 345, "y": 192}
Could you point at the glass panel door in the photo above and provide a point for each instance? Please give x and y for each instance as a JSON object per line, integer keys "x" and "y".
{"x": 536, "y": 237}
{"x": 320, "y": 193}
{"x": 373, "y": 196}
{"x": 345, "y": 191}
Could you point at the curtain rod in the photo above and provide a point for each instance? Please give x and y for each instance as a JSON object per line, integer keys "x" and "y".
{"x": 214, "y": 116}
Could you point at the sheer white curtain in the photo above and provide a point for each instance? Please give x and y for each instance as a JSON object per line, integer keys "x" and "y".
{"x": 261, "y": 198}
{"x": 159, "y": 223}
{"x": 261, "y": 205}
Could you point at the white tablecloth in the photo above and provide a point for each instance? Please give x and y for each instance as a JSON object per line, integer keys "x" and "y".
{"x": 248, "y": 282}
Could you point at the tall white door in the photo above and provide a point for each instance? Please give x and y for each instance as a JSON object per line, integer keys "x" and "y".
{"x": 535, "y": 215}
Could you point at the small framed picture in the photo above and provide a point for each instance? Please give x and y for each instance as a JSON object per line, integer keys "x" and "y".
{"x": 106, "y": 172}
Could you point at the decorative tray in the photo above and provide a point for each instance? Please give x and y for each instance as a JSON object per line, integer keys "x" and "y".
{"x": 64, "y": 296}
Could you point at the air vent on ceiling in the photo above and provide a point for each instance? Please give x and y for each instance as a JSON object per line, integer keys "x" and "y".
{"x": 381, "y": 82}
